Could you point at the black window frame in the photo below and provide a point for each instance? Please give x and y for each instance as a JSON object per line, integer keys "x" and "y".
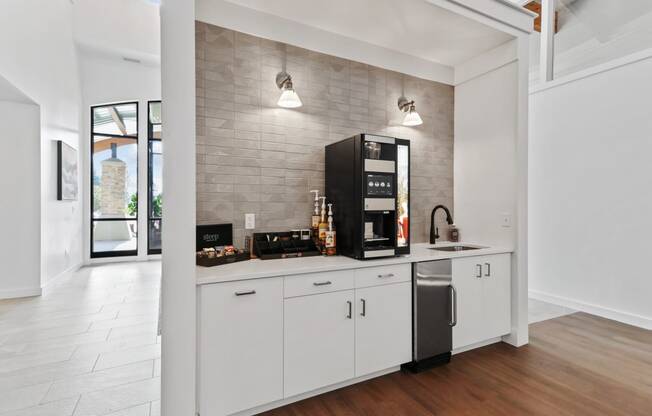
{"x": 150, "y": 139}
{"x": 118, "y": 253}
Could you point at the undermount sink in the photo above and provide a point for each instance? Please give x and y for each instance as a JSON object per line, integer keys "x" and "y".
{"x": 455, "y": 248}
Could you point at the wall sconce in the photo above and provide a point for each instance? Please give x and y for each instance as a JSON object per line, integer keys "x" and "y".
{"x": 289, "y": 98}
{"x": 412, "y": 118}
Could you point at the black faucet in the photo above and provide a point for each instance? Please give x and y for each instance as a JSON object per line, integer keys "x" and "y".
{"x": 434, "y": 231}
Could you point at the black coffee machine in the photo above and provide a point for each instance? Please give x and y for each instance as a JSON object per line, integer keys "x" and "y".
{"x": 368, "y": 182}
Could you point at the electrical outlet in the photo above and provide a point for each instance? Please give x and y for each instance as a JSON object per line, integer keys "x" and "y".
{"x": 250, "y": 221}
{"x": 506, "y": 220}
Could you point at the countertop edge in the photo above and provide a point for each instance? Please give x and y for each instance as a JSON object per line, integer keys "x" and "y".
{"x": 422, "y": 252}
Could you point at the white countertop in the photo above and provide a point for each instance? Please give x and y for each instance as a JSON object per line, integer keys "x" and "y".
{"x": 256, "y": 269}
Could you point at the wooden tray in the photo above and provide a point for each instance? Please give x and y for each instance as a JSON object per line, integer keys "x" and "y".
{"x": 217, "y": 261}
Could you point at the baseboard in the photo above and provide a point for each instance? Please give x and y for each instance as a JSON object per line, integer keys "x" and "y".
{"x": 624, "y": 317}
{"x": 476, "y": 345}
{"x": 69, "y": 270}
{"x": 20, "y": 293}
{"x": 126, "y": 259}
{"x": 302, "y": 396}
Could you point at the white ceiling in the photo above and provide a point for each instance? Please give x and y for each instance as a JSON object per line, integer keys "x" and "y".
{"x": 413, "y": 27}
{"x": 120, "y": 28}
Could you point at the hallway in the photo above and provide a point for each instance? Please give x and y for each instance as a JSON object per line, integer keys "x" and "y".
{"x": 88, "y": 346}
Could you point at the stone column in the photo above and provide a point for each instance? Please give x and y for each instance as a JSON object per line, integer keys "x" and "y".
{"x": 113, "y": 199}
{"x": 113, "y": 185}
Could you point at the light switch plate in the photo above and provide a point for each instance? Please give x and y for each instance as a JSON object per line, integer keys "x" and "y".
{"x": 250, "y": 221}
{"x": 506, "y": 220}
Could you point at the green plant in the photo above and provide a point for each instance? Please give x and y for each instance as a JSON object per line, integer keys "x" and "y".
{"x": 132, "y": 207}
{"x": 157, "y": 206}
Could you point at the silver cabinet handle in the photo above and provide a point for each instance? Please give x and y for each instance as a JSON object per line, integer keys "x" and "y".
{"x": 245, "y": 293}
{"x": 350, "y": 315}
{"x": 326, "y": 283}
{"x": 381, "y": 276}
{"x": 364, "y": 307}
{"x": 453, "y": 305}
{"x": 478, "y": 272}
{"x": 488, "y": 272}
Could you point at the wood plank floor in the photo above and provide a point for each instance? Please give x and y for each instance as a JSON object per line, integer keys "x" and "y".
{"x": 578, "y": 364}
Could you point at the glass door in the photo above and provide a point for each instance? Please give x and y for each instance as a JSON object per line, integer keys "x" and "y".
{"x": 114, "y": 181}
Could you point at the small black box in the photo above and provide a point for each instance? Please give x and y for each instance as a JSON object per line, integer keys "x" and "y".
{"x": 214, "y": 235}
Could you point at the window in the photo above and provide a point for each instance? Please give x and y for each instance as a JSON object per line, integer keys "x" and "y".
{"x": 114, "y": 181}
{"x": 155, "y": 179}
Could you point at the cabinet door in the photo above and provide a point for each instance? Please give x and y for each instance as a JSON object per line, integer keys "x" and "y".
{"x": 468, "y": 284}
{"x": 319, "y": 341}
{"x": 241, "y": 345}
{"x": 383, "y": 333}
{"x": 496, "y": 282}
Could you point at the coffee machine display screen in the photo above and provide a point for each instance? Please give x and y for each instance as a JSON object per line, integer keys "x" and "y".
{"x": 379, "y": 185}
{"x": 402, "y": 195}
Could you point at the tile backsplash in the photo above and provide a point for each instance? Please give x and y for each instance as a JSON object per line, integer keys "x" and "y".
{"x": 254, "y": 157}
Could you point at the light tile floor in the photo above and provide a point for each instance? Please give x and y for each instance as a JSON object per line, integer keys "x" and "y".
{"x": 87, "y": 347}
{"x": 541, "y": 311}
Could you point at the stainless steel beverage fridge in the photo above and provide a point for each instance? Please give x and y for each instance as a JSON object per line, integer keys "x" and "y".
{"x": 368, "y": 182}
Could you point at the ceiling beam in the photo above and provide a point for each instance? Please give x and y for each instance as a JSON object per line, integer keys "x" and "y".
{"x": 547, "y": 57}
{"x": 118, "y": 120}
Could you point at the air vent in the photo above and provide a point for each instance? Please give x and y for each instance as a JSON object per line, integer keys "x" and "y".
{"x": 132, "y": 60}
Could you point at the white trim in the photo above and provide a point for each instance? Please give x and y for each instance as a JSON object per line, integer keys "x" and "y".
{"x": 497, "y": 14}
{"x": 615, "y": 315}
{"x": 486, "y": 62}
{"x": 122, "y": 259}
{"x": 20, "y": 293}
{"x": 69, "y": 270}
{"x": 302, "y": 396}
{"x": 242, "y": 19}
{"x": 476, "y": 345}
{"x": 595, "y": 70}
{"x": 520, "y": 6}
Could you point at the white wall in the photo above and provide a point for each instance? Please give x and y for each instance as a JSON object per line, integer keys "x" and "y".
{"x": 109, "y": 79}
{"x": 591, "y": 193}
{"x": 485, "y": 155}
{"x": 39, "y": 58}
{"x": 20, "y": 211}
{"x": 490, "y": 163}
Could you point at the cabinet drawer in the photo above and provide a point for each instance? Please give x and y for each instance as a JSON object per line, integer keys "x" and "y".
{"x": 314, "y": 283}
{"x": 374, "y": 276}
{"x": 240, "y": 334}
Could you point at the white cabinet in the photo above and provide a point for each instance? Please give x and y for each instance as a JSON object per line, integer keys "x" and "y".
{"x": 483, "y": 285}
{"x": 383, "y": 332}
{"x": 264, "y": 340}
{"x": 319, "y": 341}
{"x": 240, "y": 363}
{"x": 496, "y": 281}
{"x": 470, "y": 304}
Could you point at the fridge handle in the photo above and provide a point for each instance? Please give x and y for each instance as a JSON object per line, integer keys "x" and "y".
{"x": 453, "y": 293}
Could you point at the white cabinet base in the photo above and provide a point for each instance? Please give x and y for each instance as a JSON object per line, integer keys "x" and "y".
{"x": 317, "y": 392}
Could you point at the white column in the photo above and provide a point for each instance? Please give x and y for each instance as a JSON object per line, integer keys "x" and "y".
{"x": 546, "y": 62}
{"x": 520, "y": 334}
{"x": 142, "y": 179}
{"x": 178, "y": 284}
